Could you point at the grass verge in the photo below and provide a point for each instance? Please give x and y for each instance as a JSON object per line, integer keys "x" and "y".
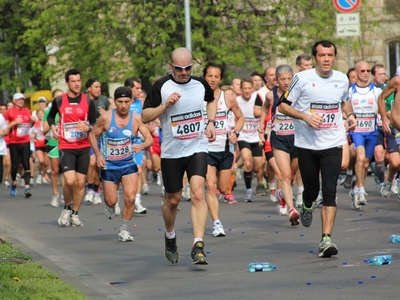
{"x": 22, "y": 278}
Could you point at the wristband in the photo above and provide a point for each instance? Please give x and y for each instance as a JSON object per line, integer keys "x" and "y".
{"x": 351, "y": 114}
{"x": 211, "y": 121}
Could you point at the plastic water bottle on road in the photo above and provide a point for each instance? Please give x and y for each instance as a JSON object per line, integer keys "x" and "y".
{"x": 261, "y": 267}
{"x": 381, "y": 260}
{"x": 394, "y": 238}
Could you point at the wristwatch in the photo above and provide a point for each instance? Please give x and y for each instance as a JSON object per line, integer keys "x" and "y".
{"x": 90, "y": 128}
{"x": 237, "y": 133}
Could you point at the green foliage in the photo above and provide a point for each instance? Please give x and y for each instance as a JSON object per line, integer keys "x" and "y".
{"x": 112, "y": 41}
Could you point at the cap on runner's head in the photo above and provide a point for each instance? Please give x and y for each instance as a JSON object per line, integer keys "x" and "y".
{"x": 18, "y": 96}
{"x": 90, "y": 81}
{"x": 42, "y": 99}
{"x": 123, "y": 91}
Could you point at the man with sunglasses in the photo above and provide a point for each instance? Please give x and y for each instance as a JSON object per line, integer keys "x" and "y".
{"x": 102, "y": 104}
{"x": 363, "y": 96}
{"x": 178, "y": 100}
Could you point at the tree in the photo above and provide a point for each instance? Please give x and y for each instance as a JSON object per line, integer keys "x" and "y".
{"x": 21, "y": 61}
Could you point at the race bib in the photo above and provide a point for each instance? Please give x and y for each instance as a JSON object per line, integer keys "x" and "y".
{"x": 329, "y": 112}
{"x": 220, "y": 124}
{"x": 250, "y": 125}
{"x": 284, "y": 125}
{"x": 379, "y": 120}
{"x": 187, "y": 126}
{"x": 365, "y": 122}
{"x": 23, "y": 129}
{"x": 119, "y": 149}
{"x": 72, "y": 134}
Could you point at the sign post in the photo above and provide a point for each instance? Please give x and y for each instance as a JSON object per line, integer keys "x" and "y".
{"x": 347, "y": 23}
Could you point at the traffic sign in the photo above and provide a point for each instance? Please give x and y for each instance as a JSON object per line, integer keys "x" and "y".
{"x": 348, "y": 24}
{"x": 346, "y": 6}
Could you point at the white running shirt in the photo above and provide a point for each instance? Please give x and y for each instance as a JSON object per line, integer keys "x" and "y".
{"x": 311, "y": 93}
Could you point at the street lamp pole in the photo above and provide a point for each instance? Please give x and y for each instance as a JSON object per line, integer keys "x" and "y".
{"x": 188, "y": 33}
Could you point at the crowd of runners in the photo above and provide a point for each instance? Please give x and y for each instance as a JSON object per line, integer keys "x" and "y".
{"x": 293, "y": 133}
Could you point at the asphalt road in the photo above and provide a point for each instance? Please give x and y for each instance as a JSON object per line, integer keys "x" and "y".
{"x": 92, "y": 259}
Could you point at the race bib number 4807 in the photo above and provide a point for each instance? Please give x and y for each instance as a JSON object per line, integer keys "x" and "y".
{"x": 188, "y": 125}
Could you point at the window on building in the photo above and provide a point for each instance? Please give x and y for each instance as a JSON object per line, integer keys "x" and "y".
{"x": 393, "y": 54}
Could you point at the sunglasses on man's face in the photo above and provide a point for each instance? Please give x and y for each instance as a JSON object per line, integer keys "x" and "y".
{"x": 180, "y": 69}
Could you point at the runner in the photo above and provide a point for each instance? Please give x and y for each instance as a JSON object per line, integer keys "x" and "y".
{"x": 116, "y": 160}
{"x": 220, "y": 152}
{"x": 19, "y": 121}
{"x": 313, "y": 101}
{"x": 77, "y": 116}
{"x": 178, "y": 100}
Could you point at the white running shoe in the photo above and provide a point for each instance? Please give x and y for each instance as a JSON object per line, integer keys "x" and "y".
{"x": 139, "y": 209}
{"x": 39, "y": 179}
{"x": 282, "y": 208}
{"x": 125, "y": 236}
{"x": 75, "y": 221}
{"x": 299, "y": 200}
{"x": 218, "y": 230}
{"x": 65, "y": 218}
{"x": 6, "y": 184}
{"x": 45, "y": 181}
{"x": 96, "y": 198}
{"x": 394, "y": 188}
{"x": 54, "y": 201}
{"x": 249, "y": 196}
{"x": 186, "y": 193}
{"x": 386, "y": 189}
{"x": 145, "y": 189}
{"x": 89, "y": 196}
{"x": 272, "y": 195}
{"x": 110, "y": 212}
{"x": 158, "y": 179}
{"x": 31, "y": 181}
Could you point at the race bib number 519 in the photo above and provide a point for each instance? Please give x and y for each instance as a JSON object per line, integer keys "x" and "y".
{"x": 188, "y": 125}
{"x": 329, "y": 112}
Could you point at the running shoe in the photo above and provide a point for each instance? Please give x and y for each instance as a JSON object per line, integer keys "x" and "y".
{"x": 125, "y": 236}
{"x": 45, "y": 180}
{"x": 96, "y": 198}
{"x": 39, "y": 179}
{"x": 139, "y": 209}
{"x": 171, "y": 252}
{"x": 65, "y": 218}
{"x": 249, "y": 196}
{"x": 197, "y": 255}
{"x": 395, "y": 186}
{"x": 266, "y": 187}
{"x": 373, "y": 169}
{"x": 145, "y": 189}
{"x": 6, "y": 184}
{"x": 13, "y": 190}
{"x": 89, "y": 196}
{"x": 327, "y": 248}
{"x": 218, "y": 230}
{"x": 341, "y": 180}
{"x": 272, "y": 195}
{"x": 347, "y": 181}
{"x": 319, "y": 200}
{"x": 27, "y": 192}
{"x": 54, "y": 200}
{"x": 355, "y": 197}
{"x": 218, "y": 194}
{"x": 260, "y": 190}
{"x": 386, "y": 189}
{"x": 75, "y": 222}
{"x": 281, "y": 207}
{"x": 299, "y": 200}
{"x": 361, "y": 198}
{"x": 110, "y": 211}
{"x": 306, "y": 216}
{"x": 294, "y": 217}
{"x": 186, "y": 193}
{"x": 229, "y": 199}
